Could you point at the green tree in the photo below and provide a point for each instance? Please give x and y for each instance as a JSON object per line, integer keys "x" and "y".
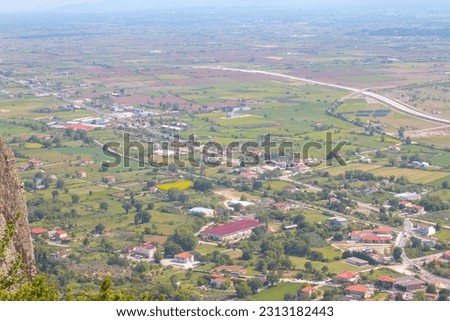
{"x": 242, "y": 289}
{"x": 397, "y": 254}
{"x": 255, "y": 284}
{"x": 184, "y": 236}
{"x": 158, "y": 256}
{"x": 55, "y": 194}
{"x": 127, "y": 207}
{"x": 60, "y": 183}
{"x": 99, "y": 228}
{"x": 273, "y": 279}
{"x": 75, "y": 198}
{"x": 104, "y": 206}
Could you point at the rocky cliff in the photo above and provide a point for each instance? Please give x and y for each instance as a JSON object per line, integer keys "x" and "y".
{"x": 16, "y": 247}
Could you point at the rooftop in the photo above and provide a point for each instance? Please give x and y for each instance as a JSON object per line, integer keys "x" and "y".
{"x": 357, "y": 288}
{"x": 347, "y": 275}
{"x": 233, "y": 227}
{"x": 38, "y": 230}
{"x": 184, "y": 255}
{"x": 386, "y": 279}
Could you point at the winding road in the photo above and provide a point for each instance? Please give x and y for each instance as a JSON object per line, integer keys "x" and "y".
{"x": 403, "y": 107}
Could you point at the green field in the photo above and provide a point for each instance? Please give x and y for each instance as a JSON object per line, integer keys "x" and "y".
{"x": 276, "y": 293}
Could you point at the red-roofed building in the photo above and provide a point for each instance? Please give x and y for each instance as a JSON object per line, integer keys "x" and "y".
{"x": 233, "y": 269}
{"x": 60, "y": 235}
{"x": 386, "y": 282}
{"x": 382, "y": 230}
{"x": 378, "y": 235}
{"x": 146, "y": 250}
{"x": 376, "y": 238}
{"x": 217, "y": 282}
{"x": 109, "y": 179}
{"x": 79, "y": 127}
{"x": 248, "y": 177}
{"x": 431, "y": 296}
{"x": 184, "y": 258}
{"x": 37, "y": 231}
{"x": 35, "y": 162}
{"x": 358, "y": 291}
{"x": 348, "y": 276}
{"x": 231, "y": 231}
{"x": 446, "y": 255}
{"x": 81, "y": 174}
{"x": 280, "y": 206}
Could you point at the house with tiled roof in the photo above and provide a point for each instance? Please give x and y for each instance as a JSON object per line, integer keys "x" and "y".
{"x": 446, "y": 255}
{"x": 347, "y": 276}
{"x": 233, "y": 269}
{"x": 386, "y": 282}
{"x": 358, "y": 292}
{"x": 37, "y": 231}
{"x": 60, "y": 235}
{"x": 146, "y": 250}
{"x": 184, "y": 258}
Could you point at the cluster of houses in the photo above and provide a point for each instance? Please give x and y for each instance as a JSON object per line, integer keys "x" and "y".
{"x": 404, "y": 284}
{"x": 378, "y": 235}
{"x": 142, "y": 251}
{"x": 56, "y": 235}
{"x": 410, "y": 208}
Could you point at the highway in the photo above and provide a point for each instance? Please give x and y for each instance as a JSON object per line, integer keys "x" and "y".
{"x": 403, "y": 107}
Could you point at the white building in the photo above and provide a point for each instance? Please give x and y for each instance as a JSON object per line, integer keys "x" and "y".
{"x": 207, "y": 212}
{"x": 426, "y": 229}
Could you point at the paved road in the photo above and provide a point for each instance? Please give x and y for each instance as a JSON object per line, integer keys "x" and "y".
{"x": 388, "y": 101}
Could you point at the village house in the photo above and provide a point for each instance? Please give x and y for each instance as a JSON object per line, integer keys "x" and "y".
{"x": 347, "y": 277}
{"x": 446, "y": 255}
{"x": 411, "y": 208}
{"x": 37, "y": 232}
{"x": 248, "y": 177}
{"x": 306, "y": 292}
{"x": 153, "y": 189}
{"x": 60, "y": 235}
{"x": 35, "y": 162}
{"x": 232, "y": 269}
{"x": 109, "y": 179}
{"x": 358, "y": 292}
{"x": 337, "y": 221}
{"x": 81, "y": 174}
{"x": 426, "y": 230}
{"x": 184, "y": 258}
{"x": 231, "y": 231}
{"x": 217, "y": 281}
{"x": 85, "y": 162}
{"x": 280, "y": 206}
{"x": 300, "y": 168}
{"x": 146, "y": 250}
{"x": 386, "y": 282}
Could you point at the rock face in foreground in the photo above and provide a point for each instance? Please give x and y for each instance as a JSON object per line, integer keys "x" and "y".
{"x": 15, "y": 237}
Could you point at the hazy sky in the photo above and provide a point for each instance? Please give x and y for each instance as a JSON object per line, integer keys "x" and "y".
{"x": 20, "y": 5}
